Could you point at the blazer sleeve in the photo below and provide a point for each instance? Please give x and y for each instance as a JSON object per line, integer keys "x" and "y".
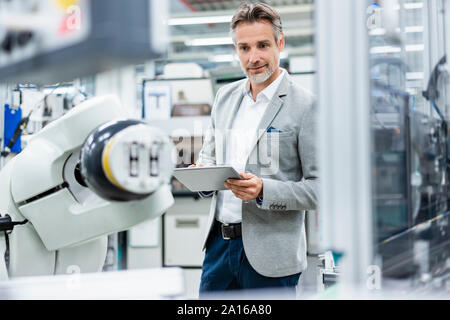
{"x": 300, "y": 195}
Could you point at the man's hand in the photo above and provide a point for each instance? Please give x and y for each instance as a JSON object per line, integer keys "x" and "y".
{"x": 247, "y": 189}
{"x": 199, "y": 165}
{"x": 195, "y": 166}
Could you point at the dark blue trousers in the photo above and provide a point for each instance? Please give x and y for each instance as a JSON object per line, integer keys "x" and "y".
{"x": 226, "y": 267}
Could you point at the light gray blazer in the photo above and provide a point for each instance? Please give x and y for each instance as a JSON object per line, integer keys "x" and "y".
{"x": 273, "y": 233}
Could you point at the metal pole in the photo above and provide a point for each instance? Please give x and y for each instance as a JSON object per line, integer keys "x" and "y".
{"x": 344, "y": 134}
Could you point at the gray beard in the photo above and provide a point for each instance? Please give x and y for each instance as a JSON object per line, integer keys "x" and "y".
{"x": 262, "y": 78}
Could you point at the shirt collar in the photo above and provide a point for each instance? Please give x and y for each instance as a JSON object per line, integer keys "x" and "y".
{"x": 270, "y": 90}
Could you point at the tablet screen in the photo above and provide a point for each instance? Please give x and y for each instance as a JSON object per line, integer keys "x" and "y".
{"x": 206, "y": 178}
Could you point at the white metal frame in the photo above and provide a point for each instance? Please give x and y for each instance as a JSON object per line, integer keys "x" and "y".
{"x": 344, "y": 134}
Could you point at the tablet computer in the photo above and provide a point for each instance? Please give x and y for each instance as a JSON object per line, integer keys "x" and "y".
{"x": 205, "y": 178}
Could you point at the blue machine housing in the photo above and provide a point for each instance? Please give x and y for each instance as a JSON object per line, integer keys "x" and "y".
{"x": 12, "y": 119}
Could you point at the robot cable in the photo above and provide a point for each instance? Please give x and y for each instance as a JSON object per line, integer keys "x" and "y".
{"x": 6, "y": 223}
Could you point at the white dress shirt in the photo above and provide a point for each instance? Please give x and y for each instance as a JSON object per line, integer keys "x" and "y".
{"x": 238, "y": 142}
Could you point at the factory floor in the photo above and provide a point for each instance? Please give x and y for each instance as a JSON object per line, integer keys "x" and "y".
{"x": 307, "y": 285}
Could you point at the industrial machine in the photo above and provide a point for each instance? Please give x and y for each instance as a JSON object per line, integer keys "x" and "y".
{"x": 384, "y": 113}
{"x": 409, "y": 183}
{"x": 86, "y": 175}
{"x": 410, "y": 174}
{"x": 87, "y": 171}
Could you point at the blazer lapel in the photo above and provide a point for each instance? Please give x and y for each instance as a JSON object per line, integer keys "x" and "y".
{"x": 271, "y": 111}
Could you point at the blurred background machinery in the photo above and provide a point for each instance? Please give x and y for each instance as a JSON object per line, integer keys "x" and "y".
{"x": 51, "y": 53}
{"x": 410, "y": 157}
{"x": 402, "y": 187}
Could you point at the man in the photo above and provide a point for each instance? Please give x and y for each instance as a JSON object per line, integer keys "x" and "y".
{"x": 264, "y": 127}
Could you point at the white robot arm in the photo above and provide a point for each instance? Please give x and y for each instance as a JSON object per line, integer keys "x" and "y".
{"x": 84, "y": 176}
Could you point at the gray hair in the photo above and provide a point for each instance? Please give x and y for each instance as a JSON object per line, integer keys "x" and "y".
{"x": 255, "y": 12}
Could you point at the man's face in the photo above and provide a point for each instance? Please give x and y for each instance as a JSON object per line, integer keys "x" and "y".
{"x": 258, "y": 50}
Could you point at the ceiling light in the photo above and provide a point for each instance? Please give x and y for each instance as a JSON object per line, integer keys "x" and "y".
{"x": 414, "y": 29}
{"x": 209, "y": 41}
{"x": 385, "y": 49}
{"x": 199, "y": 20}
{"x": 413, "y": 5}
{"x": 223, "y": 58}
{"x": 377, "y": 32}
{"x": 414, "y": 76}
{"x": 410, "y": 6}
{"x": 415, "y": 47}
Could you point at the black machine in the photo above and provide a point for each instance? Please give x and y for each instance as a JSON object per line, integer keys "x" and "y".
{"x": 410, "y": 162}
